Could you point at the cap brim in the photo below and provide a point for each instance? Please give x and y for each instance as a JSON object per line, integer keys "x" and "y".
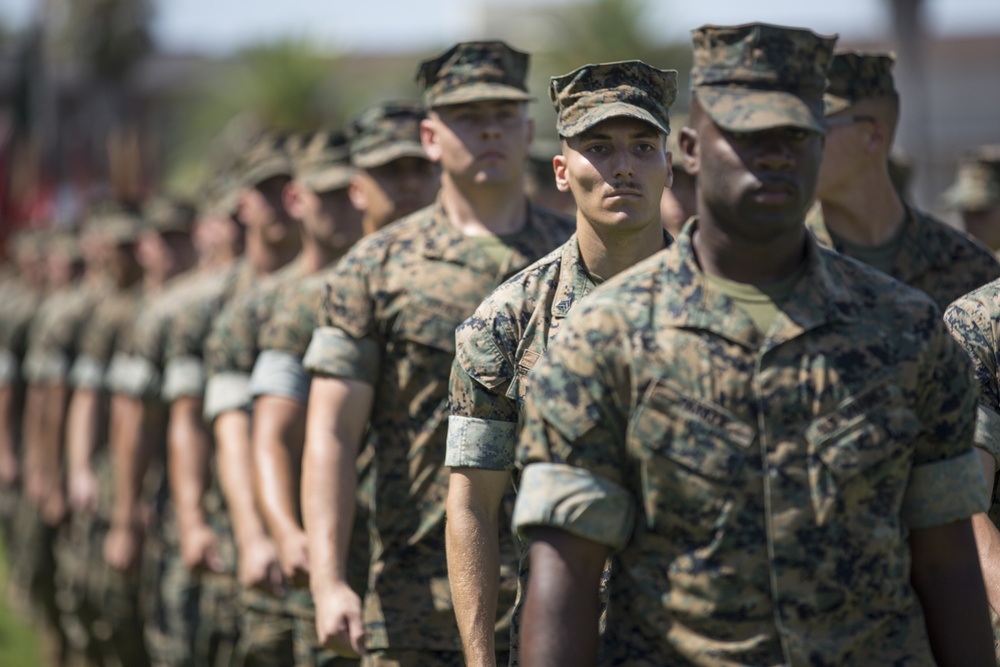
{"x": 833, "y": 104}
{"x": 324, "y": 180}
{"x": 480, "y": 92}
{"x": 604, "y": 112}
{"x": 386, "y": 154}
{"x": 753, "y": 109}
{"x": 261, "y": 172}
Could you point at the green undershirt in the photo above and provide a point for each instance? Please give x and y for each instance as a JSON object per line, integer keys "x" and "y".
{"x": 759, "y": 301}
{"x": 881, "y": 257}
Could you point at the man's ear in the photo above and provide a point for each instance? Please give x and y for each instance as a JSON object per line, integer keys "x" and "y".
{"x": 687, "y": 140}
{"x": 559, "y": 168}
{"x": 429, "y": 139}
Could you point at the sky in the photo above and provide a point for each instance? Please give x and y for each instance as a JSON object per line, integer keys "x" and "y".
{"x": 223, "y": 26}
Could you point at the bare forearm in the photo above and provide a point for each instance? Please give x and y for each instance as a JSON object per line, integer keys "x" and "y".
{"x": 130, "y": 457}
{"x": 81, "y": 430}
{"x": 946, "y": 577}
{"x": 33, "y": 432}
{"x": 329, "y": 485}
{"x": 54, "y": 425}
{"x": 473, "y": 551}
{"x": 235, "y": 467}
{"x": 189, "y": 447}
{"x": 560, "y": 622}
{"x": 8, "y": 420}
{"x": 277, "y": 449}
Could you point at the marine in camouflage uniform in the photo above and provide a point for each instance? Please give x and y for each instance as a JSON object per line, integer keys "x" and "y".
{"x": 974, "y": 321}
{"x": 206, "y": 535}
{"x": 21, "y": 293}
{"x": 54, "y": 340}
{"x": 976, "y": 194}
{"x": 858, "y": 211}
{"x": 385, "y": 146}
{"x": 99, "y": 605}
{"x": 613, "y": 119}
{"x": 768, "y": 484}
{"x": 382, "y": 359}
{"x": 318, "y": 198}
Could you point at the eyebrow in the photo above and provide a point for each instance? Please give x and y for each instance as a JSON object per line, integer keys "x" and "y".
{"x": 641, "y": 134}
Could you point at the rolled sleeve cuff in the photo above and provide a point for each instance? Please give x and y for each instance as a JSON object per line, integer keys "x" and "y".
{"x": 334, "y": 352}
{"x": 183, "y": 376}
{"x": 575, "y": 500}
{"x": 480, "y": 443}
{"x": 227, "y": 391}
{"x": 133, "y": 376}
{"x": 988, "y": 431}
{"x": 280, "y": 373}
{"x": 8, "y": 367}
{"x": 945, "y": 491}
{"x": 43, "y": 367}
{"x": 87, "y": 373}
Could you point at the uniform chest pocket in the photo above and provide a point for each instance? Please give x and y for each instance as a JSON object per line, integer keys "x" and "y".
{"x": 859, "y": 455}
{"x": 693, "y": 453}
{"x": 429, "y": 323}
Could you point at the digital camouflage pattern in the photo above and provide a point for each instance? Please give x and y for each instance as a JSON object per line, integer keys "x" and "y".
{"x": 54, "y": 334}
{"x": 18, "y": 306}
{"x": 497, "y": 347}
{"x": 763, "y": 481}
{"x": 394, "y": 303}
{"x": 474, "y": 72}
{"x": 103, "y": 331}
{"x": 594, "y": 93}
{"x": 977, "y": 186}
{"x": 974, "y": 321}
{"x": 264, "y": 158}
{"x": 324, "y": 163}
{"x": 857, "y": 76}
{"x": 934, "y": 258}
{"x": 184, "y": 373}
{"x": 232, "y": 344}
{"x": 387, "y": 132}
{"x": 758, "y": 76}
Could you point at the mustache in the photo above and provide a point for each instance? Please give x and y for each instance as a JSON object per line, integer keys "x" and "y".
{"x": 625, "y": 185}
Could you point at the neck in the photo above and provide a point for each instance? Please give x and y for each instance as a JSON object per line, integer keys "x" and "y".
{"x": 747, "y": 260}
{"x": 484, "y": 210}
{"x": 266, "y": 258}
{"x": 607, "y": 252}
{"x": 316, "y": 255}
{"x": 869, "y": 214}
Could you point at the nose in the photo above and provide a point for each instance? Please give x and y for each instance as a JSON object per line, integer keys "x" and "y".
{"x": 490, "y": 127}
{"x": 622, "y": 164}
{"x": 775, "y": 153}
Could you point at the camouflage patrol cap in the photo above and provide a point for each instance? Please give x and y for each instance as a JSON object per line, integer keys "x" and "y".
{"x": 594, "y": 93}
{"x": 265, "y": 158}
{"x": 164, "y": 215}
{"x": 977, "y": 185}
{"x": 65, "y": 242}
{"x": 855, "y": 76}
{"x": 118, "y": 227}
{"x": 474, "y": 72}
{"x": 324, "y": 163}
{"x": 758, "y": 76}
{"x": 386, "y": 132}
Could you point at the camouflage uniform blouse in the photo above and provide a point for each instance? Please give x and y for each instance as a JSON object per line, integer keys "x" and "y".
{"x": 232, "y": 346}
{"x": 758, "y": 489}
{"x": 285, "y": 339}
{"x": 934, "y": 258}
{"x": 395, "y": 301}
{"x": 974, "y": 321}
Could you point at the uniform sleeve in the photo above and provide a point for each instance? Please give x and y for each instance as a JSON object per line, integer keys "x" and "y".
{"x": 347, "y": 343}
{"x": 230, "y": 352}
{"x": 946, "y": 483}
{"x": 295, "y": 318}
{"x": 972, "y": 328}
{"x": 280, "y": 373}
{"x": 572, "y": 445}
{"x": 184, "y": 368}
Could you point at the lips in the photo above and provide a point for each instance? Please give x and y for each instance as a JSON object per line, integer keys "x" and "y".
{"x": 775, "y": 192}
